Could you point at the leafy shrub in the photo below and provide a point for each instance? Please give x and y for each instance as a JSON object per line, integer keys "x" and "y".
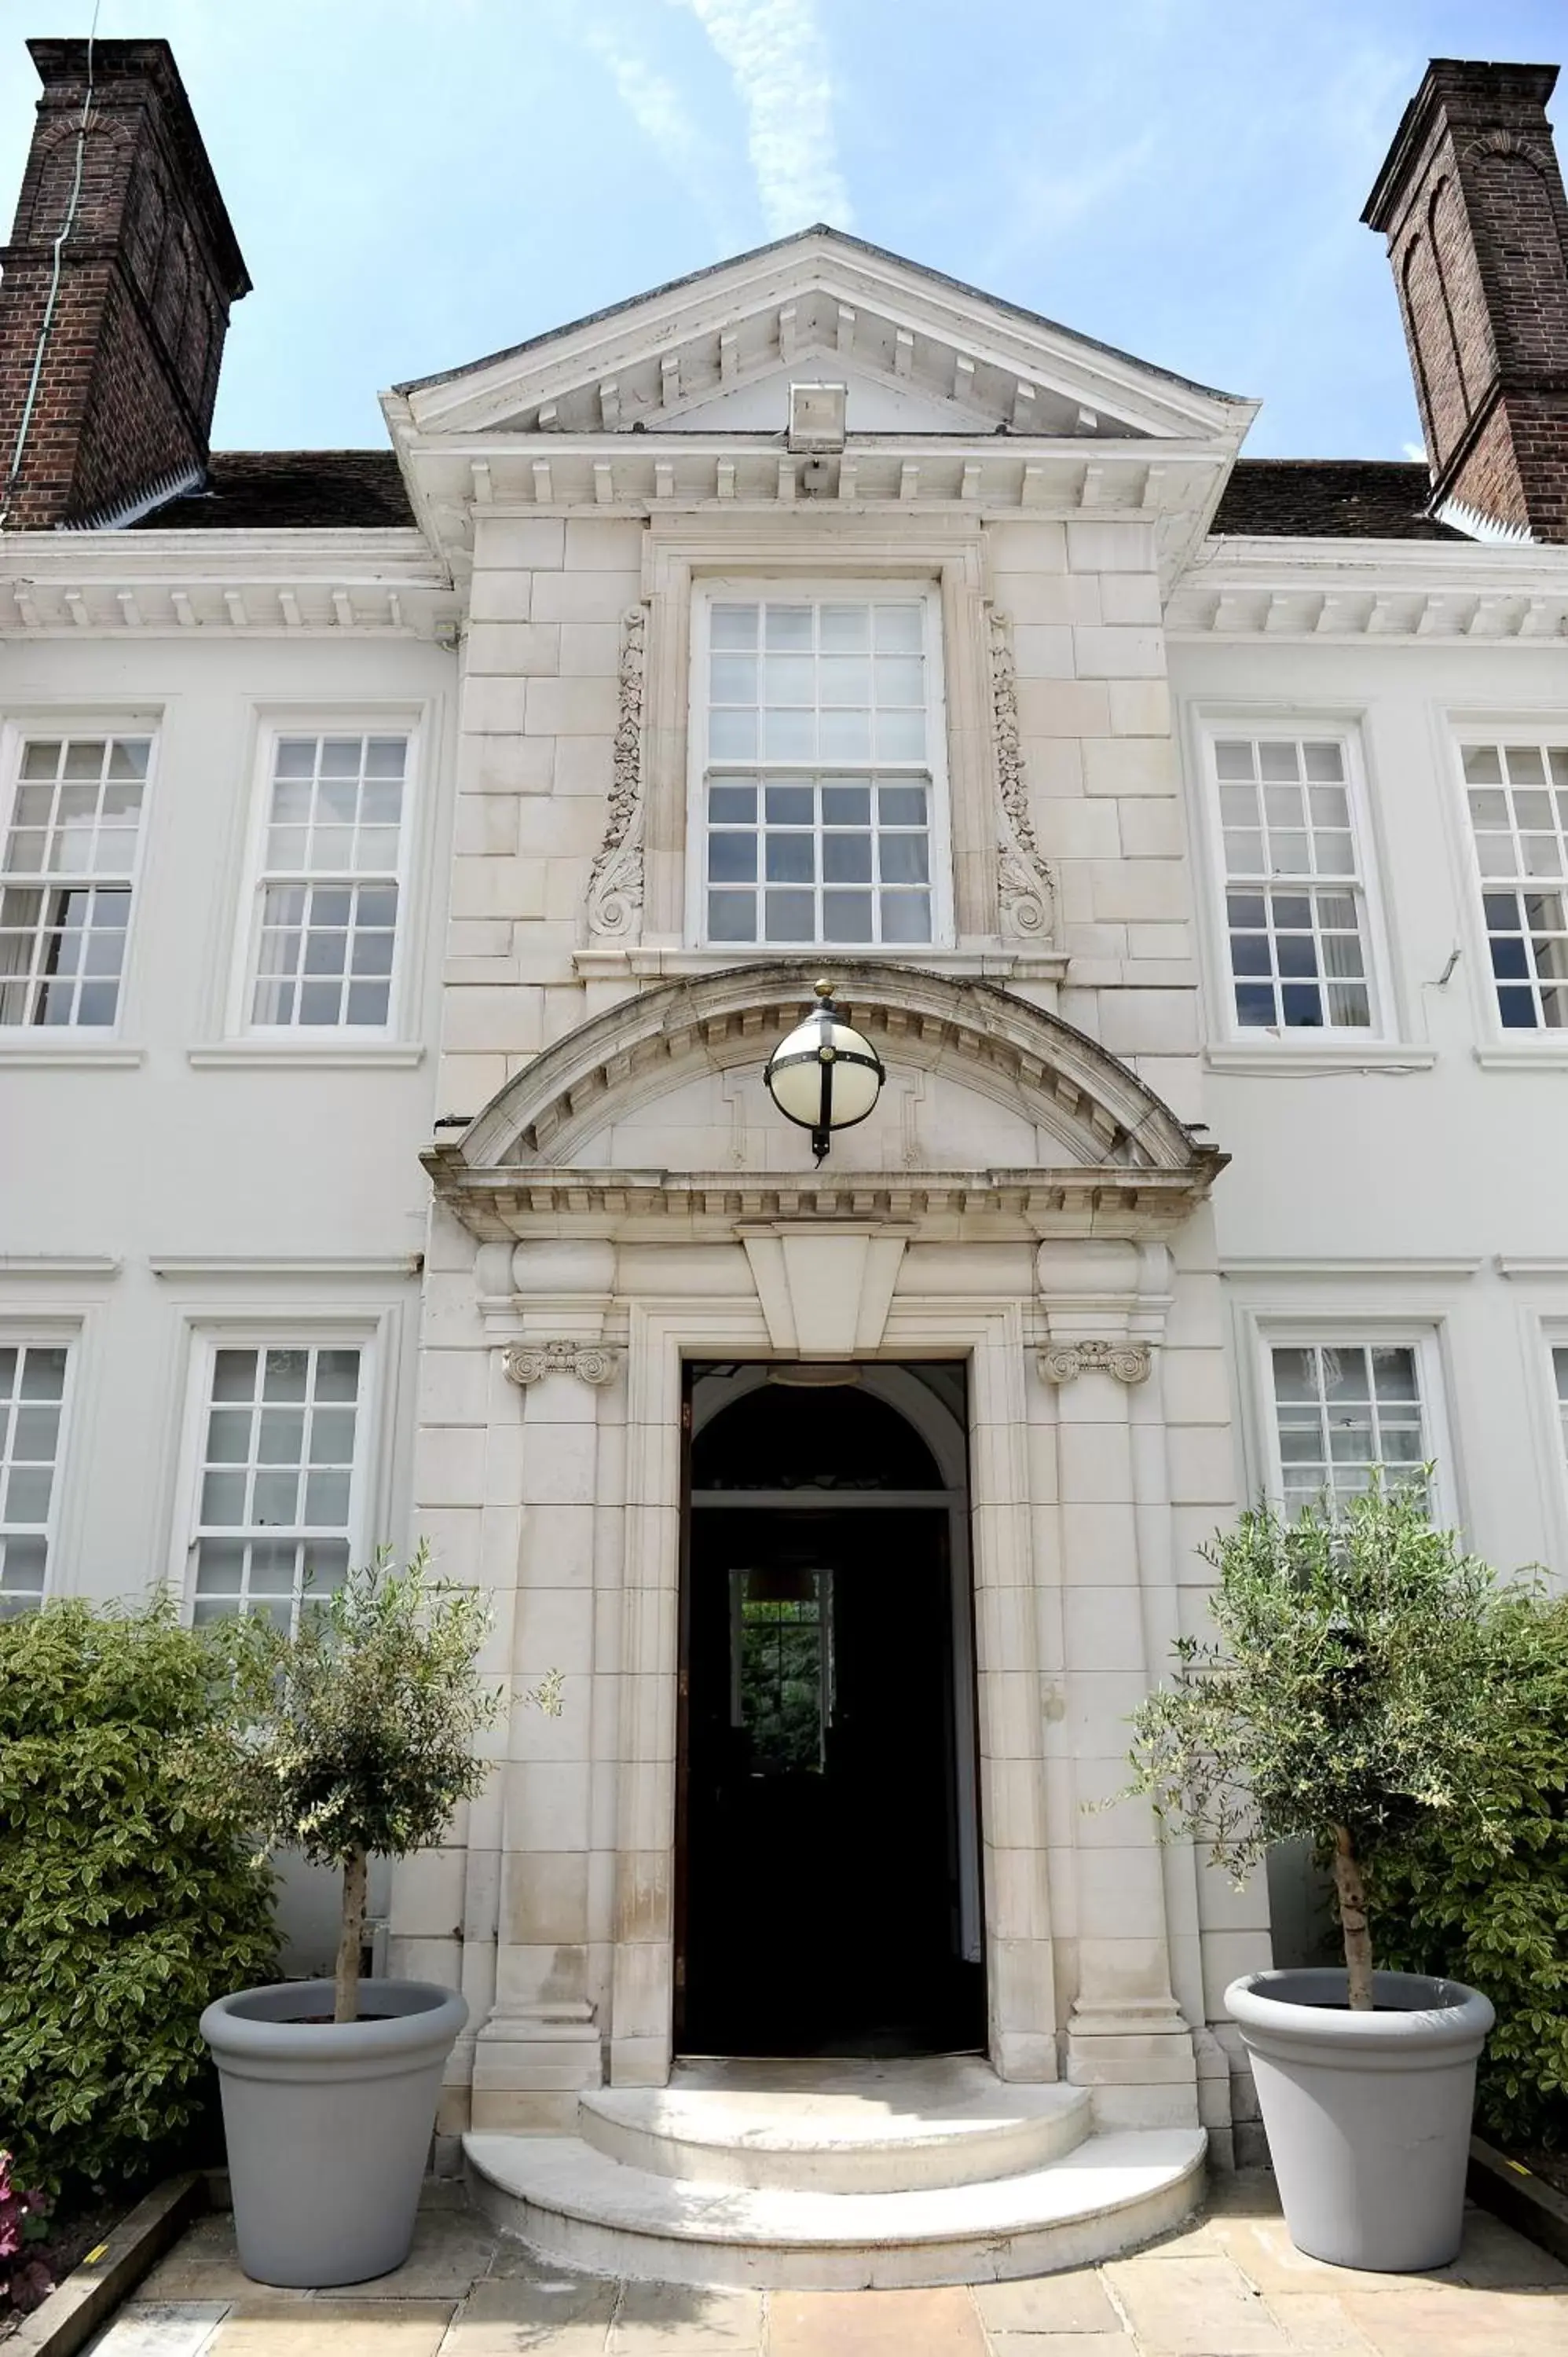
{"x": 1347, "y": 1699}
{"x": 1485, "y": 1898}
{"x": 123, "y": 1909}
{"x": 361, "y": 1726}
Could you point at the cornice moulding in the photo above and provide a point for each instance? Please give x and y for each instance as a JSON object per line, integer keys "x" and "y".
{"x": 1284, "y": 1063}
{"x": 604, "y": 962}
{"x": 1301, "y": 1268}
{"x": 903, "y": 483}
{"x": 54, "y": 1265}
{"x": 525, "y": 1201}
{"x": 400, "y": 1265}
{"x": 1302, "y": 590}
{"x": 384, "y": 553}
{"x": 242, "y": 1055}
{"x": 263, "y": 584}
{"x": 63, "y": 1059}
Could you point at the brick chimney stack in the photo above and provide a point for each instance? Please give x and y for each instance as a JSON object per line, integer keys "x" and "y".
{"x": 123, "y": 405}
{"x": 1470, "y": 199}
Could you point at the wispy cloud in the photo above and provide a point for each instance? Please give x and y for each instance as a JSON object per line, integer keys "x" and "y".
{"x": 778, "y": 59}
{"x": 663, "y": 117}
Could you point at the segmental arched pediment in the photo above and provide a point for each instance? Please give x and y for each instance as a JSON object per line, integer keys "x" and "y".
{"x": 1031, "y": 1109}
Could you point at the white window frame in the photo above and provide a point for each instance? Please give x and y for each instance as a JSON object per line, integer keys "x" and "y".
{"x": 1552, "y": 1336}
{"x": 711, "y": 590}
{"x": 305, "y": 1330}
{"x": 1537, "y": 1040}
{"x": 356, "y": 720}
{"x": 1323, "y": 1330}
{"x": 23, "y": 729}
{"x": 1341, "y": 1042}
{"x": 51, "y": 1334}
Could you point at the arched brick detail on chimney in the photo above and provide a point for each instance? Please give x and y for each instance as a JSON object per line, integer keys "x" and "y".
{"x": 1442, "y": 394}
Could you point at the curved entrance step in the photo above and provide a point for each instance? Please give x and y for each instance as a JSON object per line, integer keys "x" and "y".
{"x": 573, "y": 2204}
{"x": 844, "y": 2127}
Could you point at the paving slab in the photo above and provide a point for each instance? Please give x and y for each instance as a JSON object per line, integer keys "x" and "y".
{"x": 1073, "y": 2302}
{"x": 333, "y": 2328}
{"x": 453, "y": 2250}
{"x": 1428, "y": 2320}
{"x": 582, "y": 2338}
{"x": 1059, "y": 2344}
{"x": 544, "y": 2303}
{"x": 1194, "y": 2306}
{"x": 204, "y": 2265}
{"x": 161, "y": 2328}
{"x": 1316, "y": 2322}
{"x": 939, "y": 2323}
{"x": 679, "y": 2320}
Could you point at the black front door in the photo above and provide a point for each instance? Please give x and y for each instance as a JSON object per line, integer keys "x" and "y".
{"x": 821, "y": 1853}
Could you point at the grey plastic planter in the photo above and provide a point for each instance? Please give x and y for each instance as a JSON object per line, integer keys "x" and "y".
{"x": 1368, "y": 2114}
{"x": 328, "y": 2124}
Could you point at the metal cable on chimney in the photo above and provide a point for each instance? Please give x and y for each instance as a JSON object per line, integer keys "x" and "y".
{"x": 14, "y": 477}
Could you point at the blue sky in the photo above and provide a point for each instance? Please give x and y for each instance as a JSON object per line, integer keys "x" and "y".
{"x": 417, "y": 182}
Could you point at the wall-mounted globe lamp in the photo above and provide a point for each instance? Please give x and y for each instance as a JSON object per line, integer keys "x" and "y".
{"x": 825, "y": 1075}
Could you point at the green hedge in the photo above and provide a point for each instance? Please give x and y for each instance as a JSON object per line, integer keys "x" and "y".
{"x": 122, "y": 1909}
{"x": 1452, "y": 1901}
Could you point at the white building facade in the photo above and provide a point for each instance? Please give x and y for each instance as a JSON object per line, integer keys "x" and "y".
{"x": 1197, "y": 871}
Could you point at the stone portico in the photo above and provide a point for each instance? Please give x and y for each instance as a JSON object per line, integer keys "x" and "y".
{"x": 618, "y": 1207}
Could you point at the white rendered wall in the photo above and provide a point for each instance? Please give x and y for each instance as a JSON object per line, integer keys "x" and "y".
{"x": 307, "y": 1163}
{"x": 1431, "y": 1181}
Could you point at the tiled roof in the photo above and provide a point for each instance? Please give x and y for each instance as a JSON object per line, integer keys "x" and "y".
{"x": 1330, "y": 498}
{"x": 289, "y": 491}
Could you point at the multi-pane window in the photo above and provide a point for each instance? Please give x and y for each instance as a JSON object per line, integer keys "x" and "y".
{"x": 275, "y": 1478}
{"x": 1296, "y": 903}
{"x": 329, "y": 872}
{"x": 65, "y": 887}
{"x": 1346, "y": 1412}
{"x": 1560, "y": 1373}
{"x": 818, "y": 787}
{"x": 1518, "y": 794}
{"x": 32, "y": 1399}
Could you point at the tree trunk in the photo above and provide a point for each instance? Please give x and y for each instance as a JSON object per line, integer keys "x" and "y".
{"x": 345, "y": 1987}
{"x": 1353, "y": 1921}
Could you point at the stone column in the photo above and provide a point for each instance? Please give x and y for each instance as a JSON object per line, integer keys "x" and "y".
{"x": 542, "y": 2040}
{"x": 1126, "y": 2038}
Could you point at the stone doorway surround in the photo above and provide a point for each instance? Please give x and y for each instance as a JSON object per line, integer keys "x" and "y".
{"x": 1076, "y": 1282}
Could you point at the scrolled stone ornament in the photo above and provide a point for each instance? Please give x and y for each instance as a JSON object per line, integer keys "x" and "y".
{"x": 594, "y": 1363}
{"x": 1127, "y": 1361}
{"x": 614, "y": 905}
{"x": 1025, "y": 888}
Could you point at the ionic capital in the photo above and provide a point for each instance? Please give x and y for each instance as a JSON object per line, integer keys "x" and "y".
{"x": 1128, "y": 1362}
{"x": 596, "y": 1363}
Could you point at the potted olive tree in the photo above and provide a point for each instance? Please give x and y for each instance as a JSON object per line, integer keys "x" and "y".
{"x": 1346, "y": 1699}
{"x": 358, "y": 1741}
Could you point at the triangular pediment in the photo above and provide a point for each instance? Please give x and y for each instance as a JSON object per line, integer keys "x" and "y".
{"x": 716, "y": 352}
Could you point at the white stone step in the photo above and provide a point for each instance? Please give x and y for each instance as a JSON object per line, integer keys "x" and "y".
{"x": 836, "y": 2127}
{"x": 573, "y": 2205}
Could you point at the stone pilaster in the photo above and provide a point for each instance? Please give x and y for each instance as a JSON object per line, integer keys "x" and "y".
{"x": 541, "y": 2042}
{"x": 1126, "y": 2037}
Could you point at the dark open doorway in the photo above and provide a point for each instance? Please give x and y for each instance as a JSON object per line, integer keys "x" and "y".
{"x": 828, "y": 1883}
